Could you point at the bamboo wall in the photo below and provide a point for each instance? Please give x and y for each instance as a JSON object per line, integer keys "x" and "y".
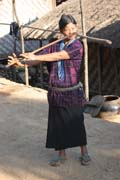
{"x": 104, "y": 70}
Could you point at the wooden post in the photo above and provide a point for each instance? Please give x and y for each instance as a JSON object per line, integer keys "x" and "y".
{"x": 41, "y": 68}
{"x": 53, "y": 4}
{"x": 23, "y": 50}
{"x": 116, "y": 72}
{"x": 85, "y": 51}
{"x": 22, "y": 42}
{"x": 99, "y": 70}
{"x": 13, "y": 68}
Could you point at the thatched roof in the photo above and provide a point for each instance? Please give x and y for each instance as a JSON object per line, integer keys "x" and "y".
{"x": 27, "y": 10}
{"x": 102, "y": 20}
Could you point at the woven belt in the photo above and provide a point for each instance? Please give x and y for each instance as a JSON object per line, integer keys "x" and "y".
{"x": 68, "y": 88}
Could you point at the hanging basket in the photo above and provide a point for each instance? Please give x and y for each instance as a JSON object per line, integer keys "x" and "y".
{"x": 110, "y": 109}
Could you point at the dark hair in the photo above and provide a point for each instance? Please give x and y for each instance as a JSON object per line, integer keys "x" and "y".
{"x": 66, "y": 19}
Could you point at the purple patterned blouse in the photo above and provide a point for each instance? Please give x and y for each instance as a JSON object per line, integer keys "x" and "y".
{"x": 72, "y": 77}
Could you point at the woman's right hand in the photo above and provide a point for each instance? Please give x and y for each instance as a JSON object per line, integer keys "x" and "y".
{"x": 13, "y": 60}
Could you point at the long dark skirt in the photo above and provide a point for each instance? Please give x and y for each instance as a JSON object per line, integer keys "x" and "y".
{"x": 66, "y": 128}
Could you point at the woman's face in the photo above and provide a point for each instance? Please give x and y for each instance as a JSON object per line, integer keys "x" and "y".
{"x": 70, "y": 30}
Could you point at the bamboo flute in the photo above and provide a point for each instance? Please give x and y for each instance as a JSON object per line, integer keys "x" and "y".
{"x": 40, "y": 49}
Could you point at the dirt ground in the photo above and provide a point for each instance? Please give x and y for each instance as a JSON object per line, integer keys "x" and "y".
{"x": 23, "y": 126}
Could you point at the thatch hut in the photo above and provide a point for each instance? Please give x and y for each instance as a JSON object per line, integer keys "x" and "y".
{"x": 103, "y": 21}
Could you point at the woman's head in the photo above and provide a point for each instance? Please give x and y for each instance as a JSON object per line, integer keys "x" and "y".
{"x": 68, "y": 25}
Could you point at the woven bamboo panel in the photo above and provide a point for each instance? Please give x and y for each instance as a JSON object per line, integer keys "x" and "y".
{"x": 110, "y": 70}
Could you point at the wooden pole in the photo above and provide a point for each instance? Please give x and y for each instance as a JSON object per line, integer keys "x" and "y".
{"x": 41, "y": 69}
{"x": 85, "y": 51}
{"x": 13, "y": 69}
{"x": 22, "y": 42}
{"x": 53, "y": 4}
{"x": 117, "y": 81}
{"x": 23, "y": 50}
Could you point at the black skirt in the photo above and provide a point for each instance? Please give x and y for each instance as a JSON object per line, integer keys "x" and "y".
{"x": 66, "y": 128}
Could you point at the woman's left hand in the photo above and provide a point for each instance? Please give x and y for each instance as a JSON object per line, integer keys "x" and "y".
{"x": 30, "y": 59}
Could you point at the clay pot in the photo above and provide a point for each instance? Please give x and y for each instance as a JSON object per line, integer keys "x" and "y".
{"x": 111, "y": 108}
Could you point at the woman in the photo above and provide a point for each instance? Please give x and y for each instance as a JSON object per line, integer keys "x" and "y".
{"x": 65, "y": 94}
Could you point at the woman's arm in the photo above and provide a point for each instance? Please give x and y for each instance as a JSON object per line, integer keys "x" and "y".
{"x": 32, "y": 59}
